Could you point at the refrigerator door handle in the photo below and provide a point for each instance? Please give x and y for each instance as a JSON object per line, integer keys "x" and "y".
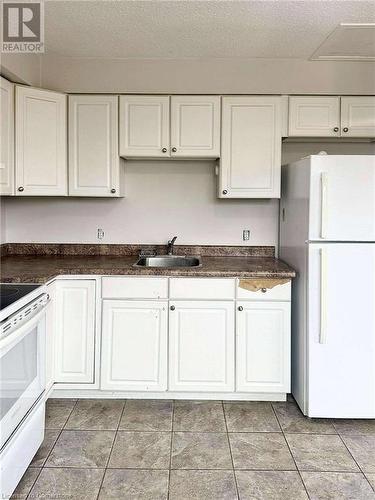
{"x": 323, "y": 207}
{"x": 323, "y": 296}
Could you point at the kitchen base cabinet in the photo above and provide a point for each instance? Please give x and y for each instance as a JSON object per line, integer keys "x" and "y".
{"x": 134, "y": 345}
{"x": 75, "y": 331}
{"x": 263, "y": 346}
{"x": 201, "y": 346}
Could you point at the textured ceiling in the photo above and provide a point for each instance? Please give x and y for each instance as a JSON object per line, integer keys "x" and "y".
{"x": 196, "y": 29}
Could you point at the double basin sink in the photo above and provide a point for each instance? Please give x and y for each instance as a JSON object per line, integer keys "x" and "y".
{"x": 168, "y": 261}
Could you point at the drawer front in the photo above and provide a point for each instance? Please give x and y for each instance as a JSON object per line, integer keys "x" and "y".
{"x": 134, "y": 288}
{"x": 279, "y": 292}
{"x": 202, "y": 288}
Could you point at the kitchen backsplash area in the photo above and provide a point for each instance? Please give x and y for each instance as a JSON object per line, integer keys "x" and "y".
{"x": 162, "y": 199}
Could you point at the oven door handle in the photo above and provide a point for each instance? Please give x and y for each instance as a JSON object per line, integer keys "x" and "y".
{"x": 10, "y": 340}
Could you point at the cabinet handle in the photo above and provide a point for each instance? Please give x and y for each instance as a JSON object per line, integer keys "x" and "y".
{"x": 264, "y": 290}
{"x": 21, "y": 188}
{"x": 173, "y": 308}
{"x": 345, "y": 129}
{"x": 336, "y": 129}
{"x": 225, "y": 191}
{"x": 174, "y": 150}
{"x": 240, "y": 308}
{"x": 164, "y": 150}
{"x": 113, "y": 190}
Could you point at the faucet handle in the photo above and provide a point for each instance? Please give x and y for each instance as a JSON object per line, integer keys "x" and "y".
{"x": 170, "y": 242}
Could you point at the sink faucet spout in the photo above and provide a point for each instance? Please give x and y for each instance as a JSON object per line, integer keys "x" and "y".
{"x": 170, "y": 245}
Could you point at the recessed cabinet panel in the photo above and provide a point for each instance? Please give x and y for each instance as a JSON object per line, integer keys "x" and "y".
{"x": 75, "y": 331}
{"x": 314, "y": 116}
{"x": 358, "y": 116}
{"x": 250, "y": 164}
{"x": 263, "y": 347}
{"x": 195, "y": 126}
{"x": 7, "y": 138}
{"x": 94, "y": 164}
{"x": 41, "y": 167}
{"x": 134, "y": 345}
{"x": 201, "y": 346}
{"x": 144, "y": 126}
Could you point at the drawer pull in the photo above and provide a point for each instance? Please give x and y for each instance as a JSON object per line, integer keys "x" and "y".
{"x": 240, "y": 308}
{"x": 173, "y": 308}
{"x": 264, "y": 290}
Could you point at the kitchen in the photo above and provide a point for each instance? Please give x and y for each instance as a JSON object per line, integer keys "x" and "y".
{"x": 181, "y": 215}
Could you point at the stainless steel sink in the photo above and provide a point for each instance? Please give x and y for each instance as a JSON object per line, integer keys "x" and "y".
{"x": 168, "y": 261}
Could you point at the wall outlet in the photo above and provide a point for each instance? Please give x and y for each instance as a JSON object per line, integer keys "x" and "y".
{"x": 100, "y": 234}
{"x": 246, "y": 234}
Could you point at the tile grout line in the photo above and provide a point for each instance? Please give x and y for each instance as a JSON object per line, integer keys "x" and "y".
{"x": 230, "y": 450}
{"x": 110, "y": 451}
{"x": 53, "y": 446}
{"x": 350, "y": 453}
{"x": 290, "y": 451}
{"x": 170, "y": 451}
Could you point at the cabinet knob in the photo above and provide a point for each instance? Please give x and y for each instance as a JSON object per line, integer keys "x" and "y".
{"x": 240, "y": 308}
{"x": 174, "y": 150}
{"x": 225, "y": 191}
{"x": 21, "y": 188}
{"x": 345, "y": 129}
{"x": 164, "y": 150}
{"x": 264, "y": 290}
{"x": 336, "y": 129}
{"x": 173, "y": 308}
{"x": 113, "y": 190}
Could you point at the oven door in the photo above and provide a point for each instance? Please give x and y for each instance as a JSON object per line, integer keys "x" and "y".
{"x": 22, "y": 372}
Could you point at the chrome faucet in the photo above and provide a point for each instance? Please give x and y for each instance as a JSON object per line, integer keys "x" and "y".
{"x": 170, "y": 245}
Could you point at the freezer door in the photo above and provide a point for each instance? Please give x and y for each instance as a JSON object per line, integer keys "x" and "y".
{"x": 342, "y": 198}
{"x": 341, "y": 331}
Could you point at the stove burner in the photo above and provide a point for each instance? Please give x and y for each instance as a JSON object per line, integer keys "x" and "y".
{"x": 11, "y": 293}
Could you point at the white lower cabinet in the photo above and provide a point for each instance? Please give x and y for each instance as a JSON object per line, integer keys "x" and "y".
{"x": 134, "y": 345}
{"x": 263, "y": 347}
{"x": 201, "y": 346}
{"x": 75, "y": 331}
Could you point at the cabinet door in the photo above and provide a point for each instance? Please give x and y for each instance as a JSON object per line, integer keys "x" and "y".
{"x": 314, "y": 116}
{"x": 41, "y": 168}
{"x": 7, "y": 138}
{"x": 75, "y": 331}
{"x": 94, "y": 164}
{"x": 134, "y": 345}
{"x": 263, "y": 347}
{"x": 195, "y": 126}
{"x": 358, "y": 116}
{"x": 144, "y": 126}
{"x": 251, "y": 147}
{"x": 201, "y": 346}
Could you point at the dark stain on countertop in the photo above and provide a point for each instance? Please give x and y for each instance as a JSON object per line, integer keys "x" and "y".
{"x": 31, "y": 263}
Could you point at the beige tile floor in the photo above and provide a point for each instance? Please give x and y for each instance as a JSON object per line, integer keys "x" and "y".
{"x": 183, "y": 450}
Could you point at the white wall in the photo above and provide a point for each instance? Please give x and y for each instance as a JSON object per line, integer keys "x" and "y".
{"x": 162, "y": 199}
{"x": 22, "y": 68}
{"x": 212, "y": 76}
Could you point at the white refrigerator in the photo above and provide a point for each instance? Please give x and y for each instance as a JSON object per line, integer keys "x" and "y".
{"x": 327, "y": 233}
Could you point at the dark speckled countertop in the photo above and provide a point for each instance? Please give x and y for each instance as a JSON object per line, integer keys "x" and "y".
{"x": 25, "y": 263}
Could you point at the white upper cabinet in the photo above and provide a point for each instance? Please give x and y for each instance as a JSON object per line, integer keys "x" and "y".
{"x": 94, "y": 163}
{"x": 250, "y": 164}
{"x": 144, "y": 126}
{"x": 358, "y": 116}
{"x": 314, "y": 116}
{"x": 195, "y": 126}
{"x": 7, "y": 138}
{"x": 41, "y": 167}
